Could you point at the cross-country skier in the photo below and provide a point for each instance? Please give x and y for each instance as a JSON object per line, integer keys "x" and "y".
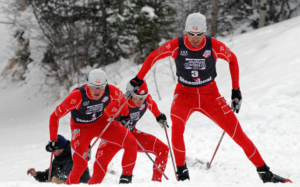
{"x": 86, "y": 104}
{"x": 138, "y": 103}
{"x": 195, "y": 57}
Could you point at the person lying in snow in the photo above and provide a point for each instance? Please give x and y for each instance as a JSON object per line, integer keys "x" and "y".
{"x": 61, "y": 165}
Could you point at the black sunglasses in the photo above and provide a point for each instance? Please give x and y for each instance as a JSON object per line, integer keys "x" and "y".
{"x": 193, "y": 34}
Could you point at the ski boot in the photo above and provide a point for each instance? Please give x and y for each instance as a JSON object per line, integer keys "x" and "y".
{"x": 267, "y": 176}
{"x": 125, "y": 179}
{"x": 182, "y": 173}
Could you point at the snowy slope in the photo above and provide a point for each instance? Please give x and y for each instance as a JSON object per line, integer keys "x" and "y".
{"x": 269, "y": 80}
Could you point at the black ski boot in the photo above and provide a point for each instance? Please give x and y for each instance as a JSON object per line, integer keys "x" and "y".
{"x": 182, "y": 173}
{"x": 125, "y": 179}
{"x": 267, "y": 176}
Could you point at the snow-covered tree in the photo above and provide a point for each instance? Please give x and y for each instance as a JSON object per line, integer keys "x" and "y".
{"x": 146, "y": 24}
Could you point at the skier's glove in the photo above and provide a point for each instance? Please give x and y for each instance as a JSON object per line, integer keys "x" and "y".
{"x": 125, "y": 120}
{"x": 162, "y": 120}
{"x": 52, "y": 146}
{"x": 236, "y": 100}
{"x": 132, "y": 85}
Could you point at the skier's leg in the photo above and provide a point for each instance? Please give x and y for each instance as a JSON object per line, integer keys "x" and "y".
{"x": 226, "y": 119}
{"x": 81, "y": 138}
{"x": 119, "y": 135}
{"x": 216, "y": 108}
{"x": 162, "y": 151}
{"x": 105, "y": 152}
{"x": 180, "y": 112}
{"x": 153, "y": 145}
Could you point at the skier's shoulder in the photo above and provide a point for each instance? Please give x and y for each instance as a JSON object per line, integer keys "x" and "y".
{"x": 174, "y": 43}
{"x": 75, "y": 94}
{"x": 115, "y": 92}
{"x": 150, "y": 102}
{"x": 77, "y": 91}
{"x": 216, "y": 43}
{"x": 149, "y": 99}
{"x": 168, "y": 46}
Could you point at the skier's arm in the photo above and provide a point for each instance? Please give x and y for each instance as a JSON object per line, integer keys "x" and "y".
{"x": 160, "y": 117}
{"x": 170, "y": 48}
{"x": 73, "y": 101}
{"x": 117, "y": 99}
{"x": 42, "y": 176}
{"x": 152, "y": 106}
{"x": 113, "y": 107}
{"x": 221, "y": 51}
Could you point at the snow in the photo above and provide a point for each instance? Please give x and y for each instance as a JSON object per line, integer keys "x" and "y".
{"x": 150, "y": 11}
{"x": 269, "y": 80}
{"x": 4, "y": 44}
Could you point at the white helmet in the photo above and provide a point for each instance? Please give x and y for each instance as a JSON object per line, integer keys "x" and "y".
{"x": 195, "y": 22}
{"x": 97, "y": 78}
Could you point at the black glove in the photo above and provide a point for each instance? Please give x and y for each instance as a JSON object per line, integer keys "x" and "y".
{"x": 162, "y": 120}
{"x": 236, "y": 100}
{"x": 125, "y": 120}
{"x": 52, "y": 146}
{"x": 133, "y": 84}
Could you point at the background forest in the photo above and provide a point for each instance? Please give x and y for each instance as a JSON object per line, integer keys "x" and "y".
{"x": 66, "y": 36}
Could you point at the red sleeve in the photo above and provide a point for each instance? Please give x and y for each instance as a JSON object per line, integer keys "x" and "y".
{"x": 170, "y": 48}
{"x": 221, "y": 51}
{"x": 117, "y": 96}
{"x": 113, "y": 107}
{"x": 71, "y": 102}
{"x": 152, "y": 106}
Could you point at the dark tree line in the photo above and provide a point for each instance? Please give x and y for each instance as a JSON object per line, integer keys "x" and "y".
{"x": 81, "y": 33}
{"x": 233, "y": 14}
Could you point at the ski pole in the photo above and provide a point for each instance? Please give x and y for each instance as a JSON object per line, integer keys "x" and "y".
{"x": 49, "y": 176}
{"x": 151, "y": 159}
{"x": 170, "y": 151}
{"x": 114, "y": 116}
{"x": 208, "y": 164}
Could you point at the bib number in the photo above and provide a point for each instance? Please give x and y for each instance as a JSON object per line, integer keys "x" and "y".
{"x": 194, "y": 74}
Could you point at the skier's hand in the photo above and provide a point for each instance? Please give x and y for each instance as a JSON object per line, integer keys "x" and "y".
{"x": 162, "y": 120}
{"x": 132, "y": 85}
{"x": 125, "y": 120}
{"x": 236, "y": 100}
{"x": 32, "y": 172}
{"x": 52, "y": 146}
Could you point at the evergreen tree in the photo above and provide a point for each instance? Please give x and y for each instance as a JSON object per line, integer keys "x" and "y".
{"x": 22, "y": 56}
{"x": 79, "y": 33}
{"x": 146, "y": 23}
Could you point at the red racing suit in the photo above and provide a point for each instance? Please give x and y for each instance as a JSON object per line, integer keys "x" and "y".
{"x": 91, "y": 119}
{"x": 149, "y": 142}
{"x": 196, "y": 90}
